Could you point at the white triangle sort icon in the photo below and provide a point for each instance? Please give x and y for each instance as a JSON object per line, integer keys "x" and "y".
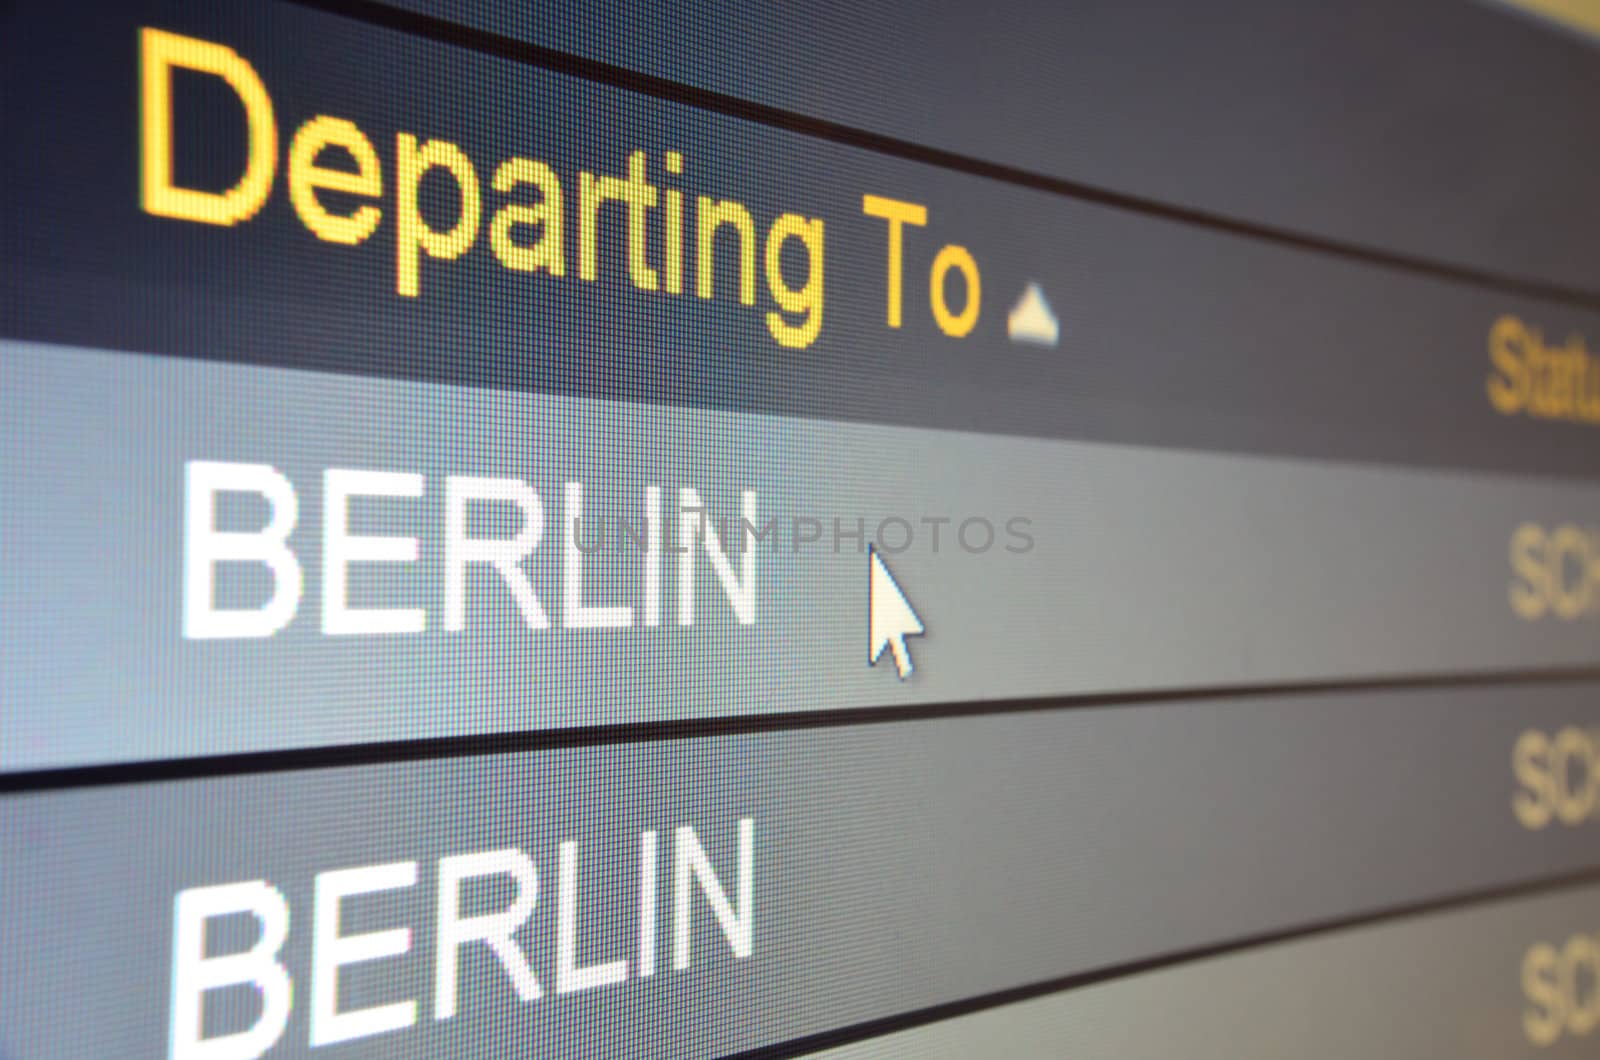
{"x": 1031, "y": 319}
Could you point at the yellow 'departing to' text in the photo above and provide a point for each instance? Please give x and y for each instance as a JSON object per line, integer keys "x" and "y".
{"x": 528, "y": 226}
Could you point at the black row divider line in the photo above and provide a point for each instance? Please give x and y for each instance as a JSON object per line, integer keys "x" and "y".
{"x": 345, "y": 755}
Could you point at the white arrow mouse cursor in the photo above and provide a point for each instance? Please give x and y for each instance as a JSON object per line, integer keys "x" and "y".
{"x": 890, "y": 618}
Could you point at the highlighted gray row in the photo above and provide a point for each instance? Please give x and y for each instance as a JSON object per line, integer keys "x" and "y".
{"x": 204, "y": 558}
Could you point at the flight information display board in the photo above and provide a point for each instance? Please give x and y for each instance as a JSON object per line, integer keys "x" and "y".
{"x": 693, "y": 530}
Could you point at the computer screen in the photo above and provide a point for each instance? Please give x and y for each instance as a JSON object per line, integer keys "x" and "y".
{"x": 880, "y": 530}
